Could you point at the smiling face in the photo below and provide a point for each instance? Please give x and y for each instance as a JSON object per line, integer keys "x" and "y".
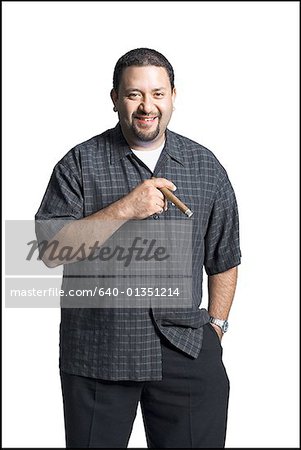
{"x": 144, "y": 102}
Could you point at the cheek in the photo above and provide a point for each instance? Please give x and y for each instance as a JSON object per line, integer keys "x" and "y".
{"x": 124, "y": 114}
{"x": 128, "y": 110}
{"x": 167, "y": 110}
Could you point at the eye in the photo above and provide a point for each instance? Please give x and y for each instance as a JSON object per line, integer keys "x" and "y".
{"x": 134, "y": 95}
{"x": 159, "y": 94}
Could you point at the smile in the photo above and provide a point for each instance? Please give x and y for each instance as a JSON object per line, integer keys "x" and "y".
{"x": 146, "y": 119}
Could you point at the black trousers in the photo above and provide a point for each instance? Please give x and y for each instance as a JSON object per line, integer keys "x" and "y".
{"x": 187, "y": 409}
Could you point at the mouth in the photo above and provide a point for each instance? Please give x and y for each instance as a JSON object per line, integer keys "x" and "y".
{"x": 146, "y": 120}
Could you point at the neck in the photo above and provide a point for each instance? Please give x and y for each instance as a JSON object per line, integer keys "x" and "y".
{"x": 136, "y": 144}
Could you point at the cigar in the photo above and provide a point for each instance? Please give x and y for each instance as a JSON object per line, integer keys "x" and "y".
{"x": 177, "y": 202}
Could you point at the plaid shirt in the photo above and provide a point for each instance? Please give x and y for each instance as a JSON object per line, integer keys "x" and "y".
{"x": 125, "y": 343}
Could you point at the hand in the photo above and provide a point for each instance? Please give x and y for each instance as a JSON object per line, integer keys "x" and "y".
{"x": 145, "y": 199}
{"x": 218, "y": 330}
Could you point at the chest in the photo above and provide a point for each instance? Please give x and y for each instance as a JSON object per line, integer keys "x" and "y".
{"x": 105, "y": 184}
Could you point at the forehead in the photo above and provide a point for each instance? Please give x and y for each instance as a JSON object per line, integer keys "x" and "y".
{"x": 144, "y": 77}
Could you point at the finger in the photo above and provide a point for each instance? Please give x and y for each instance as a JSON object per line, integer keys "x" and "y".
{"x": 159, "y": 196}
{"x": 163, "y": 182}
{"x": 160, "y": 205}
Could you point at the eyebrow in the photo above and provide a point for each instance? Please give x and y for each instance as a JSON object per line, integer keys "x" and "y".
{"x": 139, "y": 90}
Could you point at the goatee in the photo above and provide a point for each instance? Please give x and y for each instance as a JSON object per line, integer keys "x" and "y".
{"x": 144, "y": 135}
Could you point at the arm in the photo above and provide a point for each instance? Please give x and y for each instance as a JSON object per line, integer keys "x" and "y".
{"x": 221, "y": 290}
{"x": 141, "y": 202}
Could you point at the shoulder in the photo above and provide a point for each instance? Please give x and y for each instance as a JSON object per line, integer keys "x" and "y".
{"x": 76, "y": 156}
{"x": 197, "y": 155}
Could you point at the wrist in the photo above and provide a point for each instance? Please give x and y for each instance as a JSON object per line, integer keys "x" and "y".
{"x": 119, "y": 210}
{"x": 220, "y": 323}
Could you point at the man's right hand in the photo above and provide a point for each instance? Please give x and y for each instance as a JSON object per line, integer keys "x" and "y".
{"x": 145, "y": 199}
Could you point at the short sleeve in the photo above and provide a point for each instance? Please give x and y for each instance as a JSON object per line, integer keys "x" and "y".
{"x": 222, "y": 246}
{"x": 62, "y": 202}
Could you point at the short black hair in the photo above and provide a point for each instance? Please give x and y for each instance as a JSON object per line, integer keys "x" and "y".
{"x": 142, "y": 57}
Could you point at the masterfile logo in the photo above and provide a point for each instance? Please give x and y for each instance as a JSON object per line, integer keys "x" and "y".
{"x": 141, "y": 264}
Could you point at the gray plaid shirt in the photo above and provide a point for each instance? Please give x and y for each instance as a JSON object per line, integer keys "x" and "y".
{"x": 125, "y": 343}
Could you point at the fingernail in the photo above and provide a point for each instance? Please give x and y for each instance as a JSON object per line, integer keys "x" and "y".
{"x": 175, "y": 187}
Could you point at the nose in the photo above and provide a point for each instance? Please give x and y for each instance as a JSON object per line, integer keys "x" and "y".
{"x": 146, "y": 104}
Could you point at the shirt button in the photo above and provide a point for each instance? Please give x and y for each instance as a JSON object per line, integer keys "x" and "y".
{"x": 156, "y": 216}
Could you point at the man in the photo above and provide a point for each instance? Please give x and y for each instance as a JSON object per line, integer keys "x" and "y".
{"x": 113, "y": 358}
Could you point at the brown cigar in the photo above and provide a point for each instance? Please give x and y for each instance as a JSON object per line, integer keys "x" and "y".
{"x": 182, "y": 207}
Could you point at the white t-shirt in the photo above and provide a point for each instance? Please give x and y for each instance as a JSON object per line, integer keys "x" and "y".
{"x": 149, "y": 157}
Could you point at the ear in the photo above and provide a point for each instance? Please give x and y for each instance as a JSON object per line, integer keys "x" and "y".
{"x": 174, "y": 94}
{"x": 114, "y": 96}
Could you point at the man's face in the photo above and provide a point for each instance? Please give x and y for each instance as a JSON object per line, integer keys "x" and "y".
{"x": 144, "y": 103}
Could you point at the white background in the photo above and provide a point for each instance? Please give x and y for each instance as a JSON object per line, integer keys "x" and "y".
{"x": 237, "y": 76}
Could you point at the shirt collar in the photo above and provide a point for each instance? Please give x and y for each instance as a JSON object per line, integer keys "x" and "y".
{"x": 174, "y": 147}
{"x": 120, "y": 147}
